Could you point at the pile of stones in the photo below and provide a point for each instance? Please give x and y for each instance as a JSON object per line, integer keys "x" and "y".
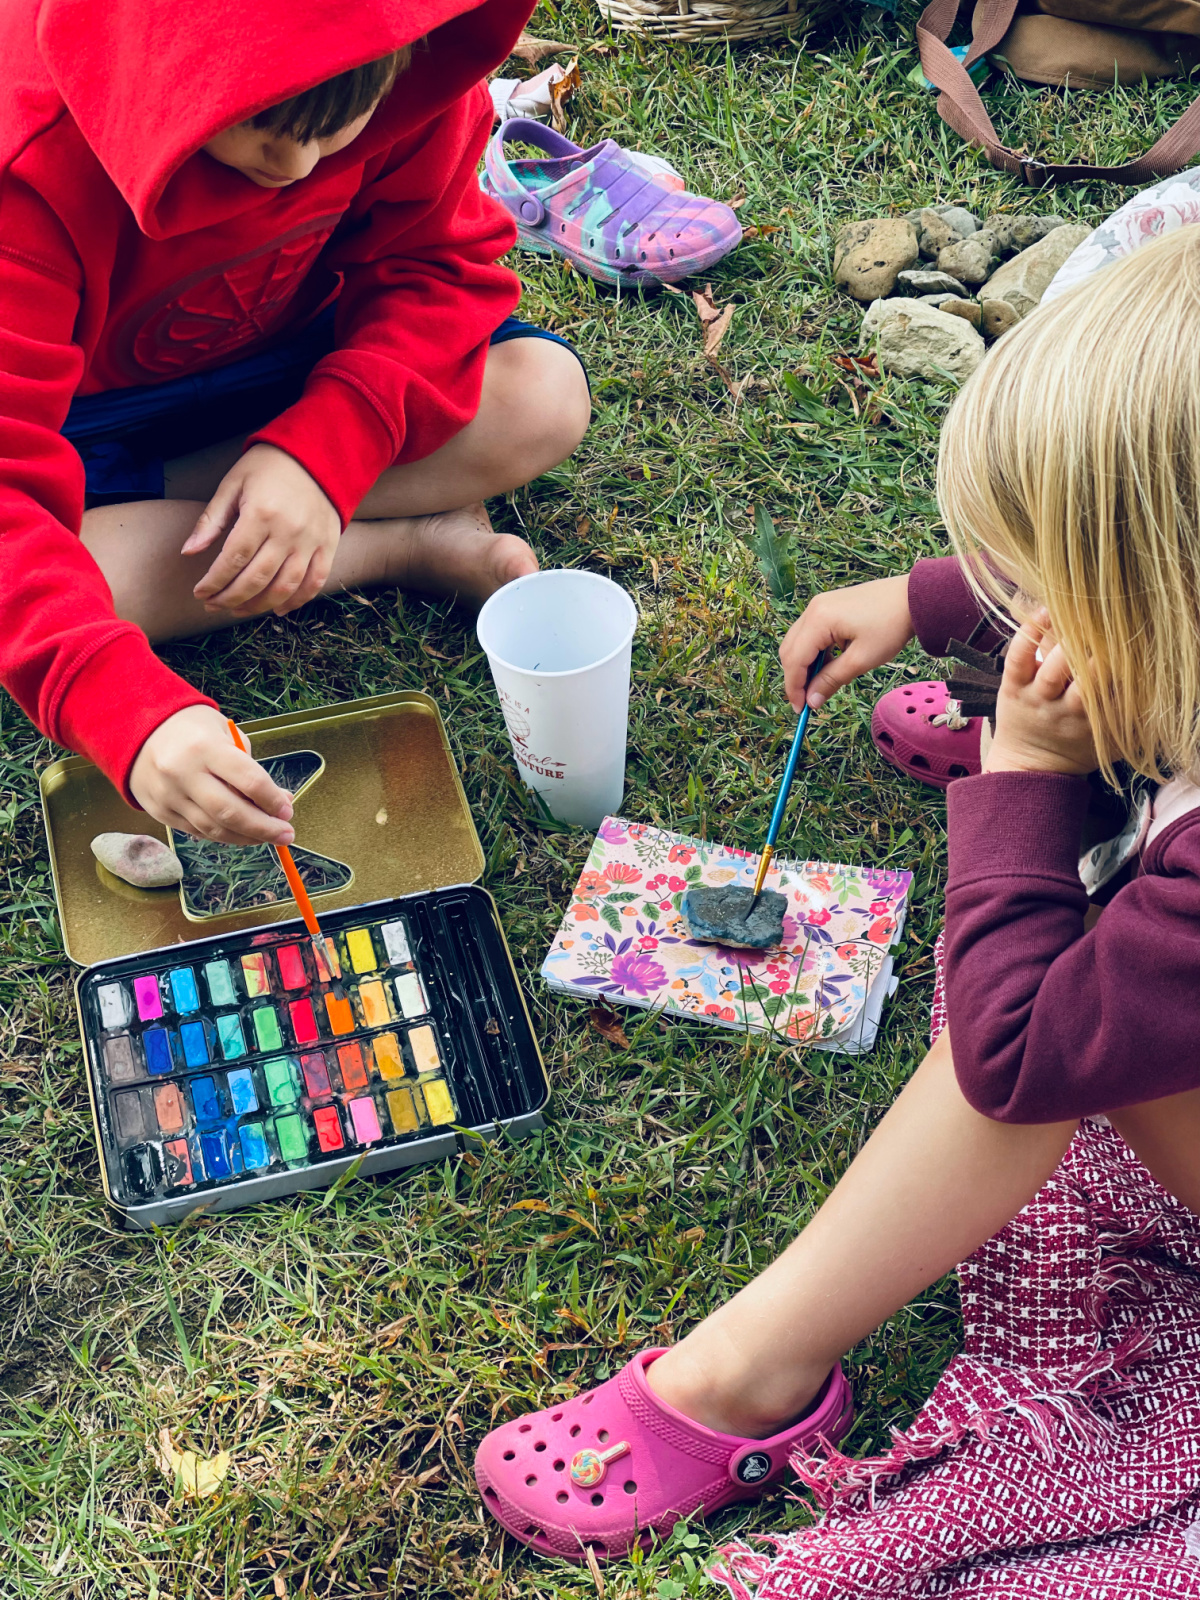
{"x": 937, "y": 282}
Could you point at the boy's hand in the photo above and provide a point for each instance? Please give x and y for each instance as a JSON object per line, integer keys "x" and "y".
{"x": 190, "y": 775}
{"x": 869, "y": 623}
{"x": 282, "y": 533}
{"x": 1040, "y": 720}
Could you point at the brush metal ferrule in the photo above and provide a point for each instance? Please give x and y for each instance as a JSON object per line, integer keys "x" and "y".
{"x": 764, "y": 862}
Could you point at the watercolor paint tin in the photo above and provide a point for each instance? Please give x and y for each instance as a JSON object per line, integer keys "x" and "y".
{"x": 223, "y": 1068}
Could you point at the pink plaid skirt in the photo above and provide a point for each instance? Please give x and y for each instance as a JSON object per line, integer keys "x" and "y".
{"x": 1058, "y": 1458}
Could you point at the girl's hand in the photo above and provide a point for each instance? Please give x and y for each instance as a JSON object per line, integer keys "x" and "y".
{"x": 869, "y": 623}
{"x": 1040, "y": 721}
{"x": 190, "y": 775}
{"x": 282, "y": 533}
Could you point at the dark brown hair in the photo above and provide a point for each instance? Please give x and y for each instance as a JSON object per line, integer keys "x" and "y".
{"x": 322, "y": 111}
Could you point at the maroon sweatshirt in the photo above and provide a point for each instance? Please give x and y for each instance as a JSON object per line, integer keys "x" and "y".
{"x": 1048, "y": 1022}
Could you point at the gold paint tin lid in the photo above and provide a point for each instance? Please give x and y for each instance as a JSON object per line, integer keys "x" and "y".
{"x": 387, "y": 802}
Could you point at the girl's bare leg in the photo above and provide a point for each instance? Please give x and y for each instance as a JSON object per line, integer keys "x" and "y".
{"x": 931, "y": 1184}
{"x": 422, "y": 526}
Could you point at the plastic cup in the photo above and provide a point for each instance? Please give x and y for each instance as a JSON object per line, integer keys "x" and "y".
{"x": 559, "y": 646}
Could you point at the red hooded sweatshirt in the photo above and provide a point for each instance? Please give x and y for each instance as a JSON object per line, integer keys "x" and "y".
{"x": 128, "y": 256}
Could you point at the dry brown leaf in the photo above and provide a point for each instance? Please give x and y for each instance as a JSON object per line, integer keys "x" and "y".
{"x": 594, "y": 1568}
{"x": 607, "y": 1024}
{"x": 532, "y": 50}
{"x": 714, "y": 319}
{"x": 738, "y": 201}
{"x": 529, "y": 1205}
{"x": 561, "y": 92}
{"x": 279, "y": 1584}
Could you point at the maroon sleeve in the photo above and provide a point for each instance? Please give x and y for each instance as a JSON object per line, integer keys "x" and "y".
{"x": 943, "y": 606}
{"x": 87, "y": 679}
{"x": 1048, "y": 1023}
{"x": 423, "y": 291}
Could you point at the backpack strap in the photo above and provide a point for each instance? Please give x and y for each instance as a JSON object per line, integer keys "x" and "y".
{"x": 960, "y": 106}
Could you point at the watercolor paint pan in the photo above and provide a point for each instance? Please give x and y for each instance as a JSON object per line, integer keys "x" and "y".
{"x": 428, "y": 1032}
{"x": 230, "y": 1071}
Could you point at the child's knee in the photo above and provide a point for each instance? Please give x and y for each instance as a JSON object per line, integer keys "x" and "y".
{"x": 543, "y": 396}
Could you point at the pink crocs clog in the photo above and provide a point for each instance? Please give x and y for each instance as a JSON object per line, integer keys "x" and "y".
{"x": 617, "y": 1465}
{"x": 905, "y": 734}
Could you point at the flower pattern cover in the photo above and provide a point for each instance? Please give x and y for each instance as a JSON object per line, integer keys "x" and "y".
{"x": 624, "y": 938}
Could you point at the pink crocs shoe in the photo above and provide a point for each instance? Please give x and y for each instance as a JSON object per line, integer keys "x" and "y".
{"x": 617, "y": 1465}
{"x": 906, "y": 734}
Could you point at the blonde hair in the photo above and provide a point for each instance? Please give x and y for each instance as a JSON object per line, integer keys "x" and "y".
{"x": 1070, "y": 464}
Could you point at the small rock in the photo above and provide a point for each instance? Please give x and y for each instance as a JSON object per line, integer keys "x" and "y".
{"x": 939, "y": 226}
{"x": 1018, "y": 233}
{"x": 970, "y": 260}
{"x": 920, "y": 283}
{"x": 1020, "y": 283}
{"x": 920, "y": 341}
{"x": 868, "y": 255}
{"x": 996, "y": 317}
{"x": 138, "y": 859}
{"x": 969, "y": 310}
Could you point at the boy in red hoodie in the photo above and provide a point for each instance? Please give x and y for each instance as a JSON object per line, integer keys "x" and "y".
{"x": 254, "y": 345}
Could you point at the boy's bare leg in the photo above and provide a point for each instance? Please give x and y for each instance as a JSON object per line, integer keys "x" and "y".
{"x": 409, "y": 531}
{"x": 934, "y": 1181}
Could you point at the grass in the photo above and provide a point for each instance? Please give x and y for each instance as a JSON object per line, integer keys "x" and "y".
{"x": 349, "y": 1349}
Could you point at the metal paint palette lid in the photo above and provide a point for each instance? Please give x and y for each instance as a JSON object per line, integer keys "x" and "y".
{"x": 381, "y": 806}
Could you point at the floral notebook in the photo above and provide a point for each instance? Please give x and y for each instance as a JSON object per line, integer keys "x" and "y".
{"x": 624, "y": 938}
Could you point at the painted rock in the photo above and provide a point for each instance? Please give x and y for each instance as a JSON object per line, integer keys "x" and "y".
{"x": 137, "y": 858}
{"x": 921, "y": 341}
{"x": 1020, "y": 283}
{"x": 718, "y": 916}
{"x": 868, "y": 255}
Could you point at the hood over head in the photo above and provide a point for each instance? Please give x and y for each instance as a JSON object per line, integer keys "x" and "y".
{"x": 148, "y": 82}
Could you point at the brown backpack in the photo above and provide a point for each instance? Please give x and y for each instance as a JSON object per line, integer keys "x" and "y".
{"x": 1088, "y": 44}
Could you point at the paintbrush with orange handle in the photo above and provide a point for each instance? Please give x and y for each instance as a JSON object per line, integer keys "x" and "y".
{"x": 321, "y": 945}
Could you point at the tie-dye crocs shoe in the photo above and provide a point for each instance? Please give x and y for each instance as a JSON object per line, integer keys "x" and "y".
{"x": 612, "y": 213}
{"x": 618, "y": 1466}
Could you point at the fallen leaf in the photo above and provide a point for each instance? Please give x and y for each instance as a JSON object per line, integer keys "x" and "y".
{"x": 594, "y": 1568}
{"x": 529, "y": 1205}
{"x": 759, "y": 230}
{"x": 532, "y": 50}
{"x": 279, "y": 1584}
{"x": 714, "y": 319}
{"x": 198, "y": 1476}
{"x": 738, "y": 201}
{"x": 856, "y": 364}
{"x": 607, "y": 1024}
{"x": 561, "y": 92}
{"x": 775, "y": 558}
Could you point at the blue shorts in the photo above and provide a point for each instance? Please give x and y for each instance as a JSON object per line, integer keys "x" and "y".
{"x": 125, "y": 435}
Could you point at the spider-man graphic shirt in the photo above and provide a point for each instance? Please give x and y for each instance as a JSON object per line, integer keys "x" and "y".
{"x": 129, "y": 257}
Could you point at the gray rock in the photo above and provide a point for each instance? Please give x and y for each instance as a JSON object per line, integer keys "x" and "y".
{"x": 718, "y": 916}
{"x": 971, "y": 260}
{"x": 1018, "y": 233}
{"x": 955, "y": 306}
{"x": 868, "y": 255}
{"x": 138, "y": 859}
{"x": 921, "y": 341}
{"x": 1020, "y": 283}
{"x": 918, "y": 282}
{"x": 939, "y": 226}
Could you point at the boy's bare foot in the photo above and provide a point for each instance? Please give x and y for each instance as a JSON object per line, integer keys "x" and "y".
{"x": 447, "y": 553}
